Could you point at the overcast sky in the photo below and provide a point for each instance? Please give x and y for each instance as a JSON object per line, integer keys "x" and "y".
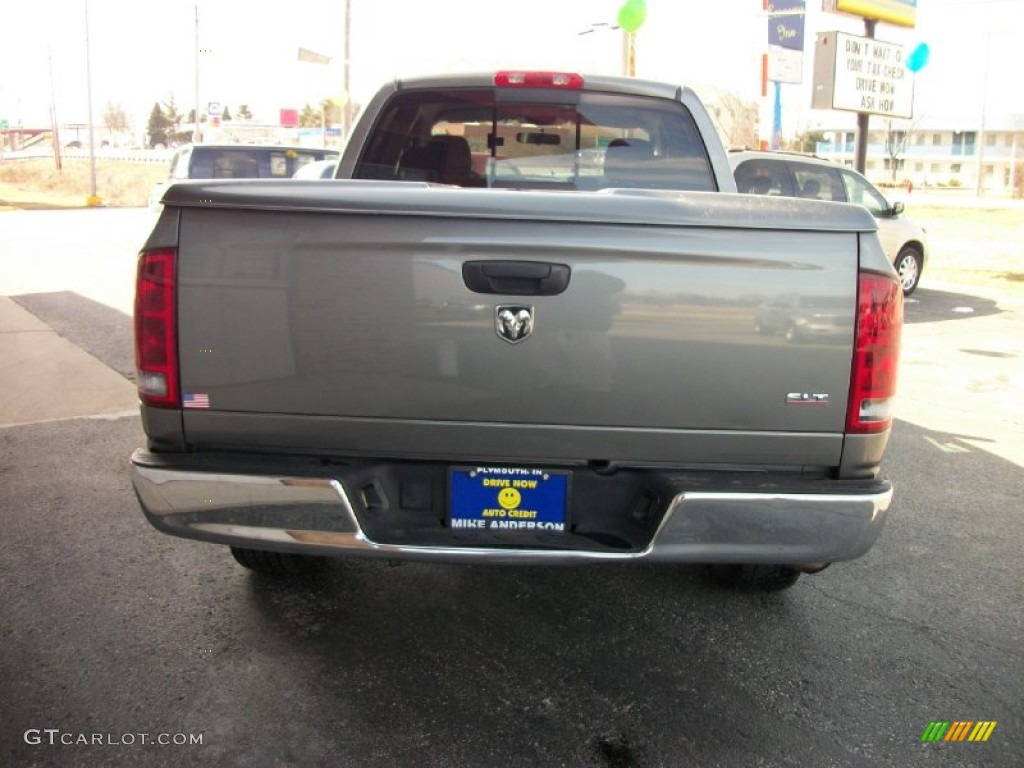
{"x": 145, "y": 51}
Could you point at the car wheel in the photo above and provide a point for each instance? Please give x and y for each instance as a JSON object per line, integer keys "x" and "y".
{"x": 277, "y": 564}
{"x": 908, "y": 265}
{"x": 755, "y": 578}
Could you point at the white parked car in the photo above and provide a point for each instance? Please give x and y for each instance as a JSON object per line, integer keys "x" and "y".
{"x": 318, "y": 169}
{"x": 796, "y": 175}
{"x": 238, "y": 161}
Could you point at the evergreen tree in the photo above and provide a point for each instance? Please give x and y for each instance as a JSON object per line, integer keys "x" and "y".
{"x": 158, "y": 127}
{"x": 226, "y": 114}
{"x": 310, "y": 118}
{"x": 172, "y": 114}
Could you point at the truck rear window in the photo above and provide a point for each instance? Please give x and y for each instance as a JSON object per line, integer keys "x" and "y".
{"x": 578, "y": 140}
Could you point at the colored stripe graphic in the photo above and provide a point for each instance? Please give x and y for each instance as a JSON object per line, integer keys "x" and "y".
{"x": 958, "y": 730}
{"x": 982, "y": 731}
{"x": 935, "y": 731}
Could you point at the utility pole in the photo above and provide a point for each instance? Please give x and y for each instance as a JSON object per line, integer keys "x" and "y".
{"x": 347, "y": 112}
{"x": 984, "y": 111}
{"x": 53, "y": 114}
{"x": 92, "y": 199}
{"x": 628, "y": 53}
{"x": 196, "y": 136}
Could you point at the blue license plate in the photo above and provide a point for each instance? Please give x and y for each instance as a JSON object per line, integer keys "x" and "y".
{"x": 508, "y": 499}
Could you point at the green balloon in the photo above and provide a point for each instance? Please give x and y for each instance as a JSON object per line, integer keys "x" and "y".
{"x": 632, "y": 15}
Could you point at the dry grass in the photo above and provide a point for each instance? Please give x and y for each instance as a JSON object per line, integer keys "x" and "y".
{"x": 974, "y": 246}
{"x": 30, "y": 183}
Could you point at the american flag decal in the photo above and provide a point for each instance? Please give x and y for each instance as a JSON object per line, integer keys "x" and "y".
{"x": 196, "y": 400}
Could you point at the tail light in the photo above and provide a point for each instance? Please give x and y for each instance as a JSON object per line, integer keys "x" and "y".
{"x": 876, "y": 353}
{"x": 512, "y": 79}
{"x": 156, "y": 329}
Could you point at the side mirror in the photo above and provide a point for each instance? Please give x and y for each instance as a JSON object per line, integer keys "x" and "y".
{"x": 897, "y": 208}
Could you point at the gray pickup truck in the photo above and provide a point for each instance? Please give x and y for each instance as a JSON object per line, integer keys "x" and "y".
{"x": 525, "y": 324}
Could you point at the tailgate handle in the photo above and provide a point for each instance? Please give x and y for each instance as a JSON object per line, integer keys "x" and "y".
{"x": 519, "y": 278}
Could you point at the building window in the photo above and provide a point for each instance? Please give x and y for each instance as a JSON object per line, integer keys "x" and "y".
{"x": 936, "y": 139}
{"x": 1008, "y": 142}
{"x": 989, "y": 170}
{"x": 918, "y": 167}
{"x": 934, "y": 168}
{"x": 990, "y": 140}
{"x": 963, "y": 142}
{"x": 920, "y": 139}
{"x": 954, "y": 168}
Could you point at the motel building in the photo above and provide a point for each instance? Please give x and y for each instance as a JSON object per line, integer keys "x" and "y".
{"x": 937, "y": 155}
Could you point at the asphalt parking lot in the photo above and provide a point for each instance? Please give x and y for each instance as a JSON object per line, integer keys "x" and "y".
{"x": 113, "y": 630}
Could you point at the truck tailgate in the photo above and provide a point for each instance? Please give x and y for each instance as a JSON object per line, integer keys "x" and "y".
{"x": 694, "y": 328}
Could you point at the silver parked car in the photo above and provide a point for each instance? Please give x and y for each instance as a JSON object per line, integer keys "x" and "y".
{"x": 796, "y": 175}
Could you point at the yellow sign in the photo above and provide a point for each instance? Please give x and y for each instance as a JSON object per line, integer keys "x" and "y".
{"x": 900, "y": 12}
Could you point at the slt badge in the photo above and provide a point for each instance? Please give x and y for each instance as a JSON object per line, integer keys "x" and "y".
{"x": 513, "y": 323}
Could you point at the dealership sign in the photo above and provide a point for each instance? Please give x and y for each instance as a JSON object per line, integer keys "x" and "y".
{"x": 861, "y": 74}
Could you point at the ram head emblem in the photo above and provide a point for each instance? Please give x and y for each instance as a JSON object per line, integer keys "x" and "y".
{"x": 513, "y": 323}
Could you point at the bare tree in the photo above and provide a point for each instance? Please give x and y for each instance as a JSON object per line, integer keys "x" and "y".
{"x": 736, "y": 119}
{"x": 896, "y": 140}
{"x": 895, "y": 146}
{"x": 115, "y": 119}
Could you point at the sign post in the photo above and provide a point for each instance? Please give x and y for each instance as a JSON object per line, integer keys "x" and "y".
{"x": 785, "y": 61}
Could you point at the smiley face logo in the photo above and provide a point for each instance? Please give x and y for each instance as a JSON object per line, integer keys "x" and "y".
{"x": 509, "y": 498}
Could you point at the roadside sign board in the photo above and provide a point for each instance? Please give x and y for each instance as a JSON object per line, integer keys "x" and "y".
{"x": 786, "y": 24}
{"x": 786, "y": 40}
{"x": 861, "y": 74}
{"x": 785, "y": 65}
{"x": 213, "y": 108}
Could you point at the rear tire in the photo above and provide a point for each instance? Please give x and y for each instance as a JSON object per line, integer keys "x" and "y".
{"x": 277, "y": 564}
{"x": 908, "y": 265}
{"x": 755, "y": 578}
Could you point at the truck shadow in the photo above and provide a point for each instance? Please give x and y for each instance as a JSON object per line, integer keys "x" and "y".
{"x": 929, "y": 306}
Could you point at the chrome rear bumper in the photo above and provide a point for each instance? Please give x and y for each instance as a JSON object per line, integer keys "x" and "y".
{"x": 313, "y": 515}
